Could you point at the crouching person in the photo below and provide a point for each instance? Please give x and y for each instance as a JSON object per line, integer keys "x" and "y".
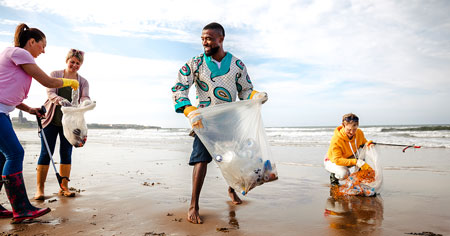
{"x": 343, "y": 151}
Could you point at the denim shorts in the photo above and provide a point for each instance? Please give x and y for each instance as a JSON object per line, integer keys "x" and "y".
{"x": 199, "y": 153}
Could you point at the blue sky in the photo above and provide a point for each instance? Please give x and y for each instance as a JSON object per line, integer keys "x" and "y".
{"x": 386, "y": 61}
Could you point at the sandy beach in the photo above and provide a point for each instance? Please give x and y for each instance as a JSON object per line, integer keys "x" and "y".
{"x": 143, "y": 188}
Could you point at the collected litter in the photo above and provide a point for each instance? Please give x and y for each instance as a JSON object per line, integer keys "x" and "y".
{"x": 363, "y": 182}
{"x": 234, "y": 135}
{"x": 74, "y": 125}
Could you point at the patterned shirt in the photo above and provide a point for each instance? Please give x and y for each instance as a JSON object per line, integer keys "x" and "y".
{"x": 213, "y": 85}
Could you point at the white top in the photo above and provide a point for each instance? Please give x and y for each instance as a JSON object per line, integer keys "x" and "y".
{"x": 217, "y": 62}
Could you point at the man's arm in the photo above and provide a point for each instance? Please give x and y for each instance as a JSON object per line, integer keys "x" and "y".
{"x": 245, "y": 86}
{"x": 180, "y": 91}
{"x": 243, "y": 83}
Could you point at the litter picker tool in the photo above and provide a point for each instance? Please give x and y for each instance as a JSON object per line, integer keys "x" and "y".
{"x": 406, "y": 146}
{"x": 42, "y": 133}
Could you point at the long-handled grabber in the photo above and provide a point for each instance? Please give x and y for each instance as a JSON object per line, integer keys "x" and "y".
{"x": 406, "y": 146}
{"x": 42, "y": 133}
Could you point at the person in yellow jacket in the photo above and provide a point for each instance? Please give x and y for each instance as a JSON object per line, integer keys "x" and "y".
{"x": 343, "y": 150}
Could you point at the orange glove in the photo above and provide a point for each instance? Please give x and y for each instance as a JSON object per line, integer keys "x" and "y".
{"x": 370, "y": 143}
{"x": 194, "y": 119}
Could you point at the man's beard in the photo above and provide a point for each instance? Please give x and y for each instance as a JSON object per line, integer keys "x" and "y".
{"x": 212, "y": 51}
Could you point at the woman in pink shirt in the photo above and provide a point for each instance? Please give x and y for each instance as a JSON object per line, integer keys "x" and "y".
{"x": 17, "y": 68}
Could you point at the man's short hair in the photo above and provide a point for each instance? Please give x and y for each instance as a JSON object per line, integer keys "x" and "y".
{"x": 215, "y": 26}
{"x": 350, "y": 118}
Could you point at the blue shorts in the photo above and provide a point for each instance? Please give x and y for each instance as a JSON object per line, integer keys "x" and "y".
{"x": 199, "y": 153}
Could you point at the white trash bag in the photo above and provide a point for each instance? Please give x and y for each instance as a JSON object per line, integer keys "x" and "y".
{"x": 234, "y": 135}
{"x": 368, "y": 183}
{"x": 370, "y": 156}
{"x": 74, "y": 125}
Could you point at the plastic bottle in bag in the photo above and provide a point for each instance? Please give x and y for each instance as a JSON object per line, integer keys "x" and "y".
{"x": 74, "y": 125}
{"x": 234, "y": 135}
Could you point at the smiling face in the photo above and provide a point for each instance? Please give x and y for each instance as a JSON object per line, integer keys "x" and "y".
{"x": 212, "y": 41}
{"x": 73, "y": 65}
{"x": 350, "y": 128}
{"x": 36, "y": 48}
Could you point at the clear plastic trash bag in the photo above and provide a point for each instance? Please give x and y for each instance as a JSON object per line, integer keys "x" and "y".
{"x": 74, "y": 125}
{"x": 234, "y": 135}
{"x": 365, "y": 183}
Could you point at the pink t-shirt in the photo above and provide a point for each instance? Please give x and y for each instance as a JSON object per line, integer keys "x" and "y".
{"x": 14, "y": 81}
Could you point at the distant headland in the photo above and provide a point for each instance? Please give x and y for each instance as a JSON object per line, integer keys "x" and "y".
{"x": 22, "y": 122}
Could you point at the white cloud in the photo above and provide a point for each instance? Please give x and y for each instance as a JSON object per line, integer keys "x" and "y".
{"x": 6, "y": 33}
{"x": 127, "y": 90}
{"x": 385, "y": 49}
{"x": 9, "y": 22}
{"x": 331, "y": 33}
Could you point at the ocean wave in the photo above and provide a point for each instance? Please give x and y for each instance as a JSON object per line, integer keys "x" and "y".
{"x": 416, "y": 168}
{"x": 299, "y": 164}
{"x": 418, "y": 128}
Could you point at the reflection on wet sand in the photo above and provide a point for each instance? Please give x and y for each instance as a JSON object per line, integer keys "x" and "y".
{"x": 350, "y": 215}
{"x": 232, "y": 218}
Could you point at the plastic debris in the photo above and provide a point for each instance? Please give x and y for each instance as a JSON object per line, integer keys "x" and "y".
{"x": 234, "y": 135}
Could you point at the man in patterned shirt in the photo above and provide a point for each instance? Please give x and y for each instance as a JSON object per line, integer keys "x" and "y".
{"x": 220, "y": 78}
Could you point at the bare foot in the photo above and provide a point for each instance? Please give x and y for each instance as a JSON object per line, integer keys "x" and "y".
{"x": 193, "y": 216}
{"x": 66, "y": 193}
{"x": 234, "y": 197}
{"x": 39, "y": 195}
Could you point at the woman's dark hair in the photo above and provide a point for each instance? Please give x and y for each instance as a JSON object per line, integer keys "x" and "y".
{"x": 24, "y": 33}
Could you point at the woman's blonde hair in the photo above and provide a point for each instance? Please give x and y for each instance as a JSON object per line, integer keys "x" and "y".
{"x": 75, "y": 53}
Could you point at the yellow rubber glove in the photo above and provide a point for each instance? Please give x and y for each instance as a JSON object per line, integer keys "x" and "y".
{"x": 189, "y": 109}
{"x": 363, "y": 165}
{"x": 196, "y": 123}
{"x": 70, "y": 82}
{"x": 254, "y": 92}
{"x": 366, "y": 167}
{"x": 259, "y": 95}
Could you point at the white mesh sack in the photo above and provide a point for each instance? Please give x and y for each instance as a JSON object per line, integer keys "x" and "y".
{"x": 74, "y": 125}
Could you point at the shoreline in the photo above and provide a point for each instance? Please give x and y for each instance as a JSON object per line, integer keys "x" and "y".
{"x": 142, "y": 189}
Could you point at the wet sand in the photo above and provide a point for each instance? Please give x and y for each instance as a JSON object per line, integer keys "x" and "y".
{"x": 139, "y": 189}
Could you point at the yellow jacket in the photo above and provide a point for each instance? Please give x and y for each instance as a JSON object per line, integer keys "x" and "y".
{"x": 341, "y": 146}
